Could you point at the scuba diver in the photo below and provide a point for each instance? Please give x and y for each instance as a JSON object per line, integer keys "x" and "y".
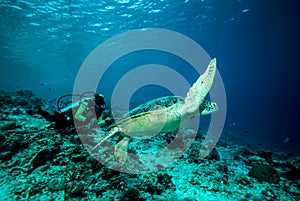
{"x": 82, "y": 111}
{"x": 86, "y": 109}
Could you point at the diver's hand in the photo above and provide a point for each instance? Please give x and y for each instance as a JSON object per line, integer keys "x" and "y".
{"x": 101, "y": 122}
{"x": 108, "y": 118}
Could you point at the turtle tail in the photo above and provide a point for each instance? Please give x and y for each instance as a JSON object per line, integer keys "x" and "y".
{"x": 112, "y": 133}
{"x": 200, "y": 88}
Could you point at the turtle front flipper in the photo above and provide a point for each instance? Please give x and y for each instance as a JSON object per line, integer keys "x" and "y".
{"x": 121, "y": 150}
{"x": 200, "y": 89}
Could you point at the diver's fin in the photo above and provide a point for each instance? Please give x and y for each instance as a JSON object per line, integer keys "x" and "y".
{"x": 121, "y": 150}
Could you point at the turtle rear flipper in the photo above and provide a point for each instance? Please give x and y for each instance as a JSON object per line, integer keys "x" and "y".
{"x": 121, "y": 150}
{"x": 112, "y": 133}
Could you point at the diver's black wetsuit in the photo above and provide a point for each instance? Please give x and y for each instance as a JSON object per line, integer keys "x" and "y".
{"x": 61, "y": 120}
{"x": 65, "y": 120}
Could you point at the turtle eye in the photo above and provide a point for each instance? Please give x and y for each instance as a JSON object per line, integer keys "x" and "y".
{"x": 215, "y": 106}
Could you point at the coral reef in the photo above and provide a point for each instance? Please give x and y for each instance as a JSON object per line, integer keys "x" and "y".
{"x": 41, "y": 163}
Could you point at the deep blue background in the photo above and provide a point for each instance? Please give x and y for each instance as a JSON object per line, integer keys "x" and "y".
{"x": 43, "y": 44}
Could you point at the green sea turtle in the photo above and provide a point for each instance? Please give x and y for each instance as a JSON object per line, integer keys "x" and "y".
{"x": 164, "y": 114}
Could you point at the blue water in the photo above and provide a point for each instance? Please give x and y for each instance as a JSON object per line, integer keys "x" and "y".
{"x": 256, "y": 42}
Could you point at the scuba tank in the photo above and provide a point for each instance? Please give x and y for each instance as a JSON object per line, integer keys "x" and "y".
{"x": 68, "y": 108}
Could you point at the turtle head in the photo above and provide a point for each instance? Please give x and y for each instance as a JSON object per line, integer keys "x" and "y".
{"x": 208, "y": 107}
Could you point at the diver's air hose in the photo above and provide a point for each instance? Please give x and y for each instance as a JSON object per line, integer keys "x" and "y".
{"x": 80, "y": 99}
